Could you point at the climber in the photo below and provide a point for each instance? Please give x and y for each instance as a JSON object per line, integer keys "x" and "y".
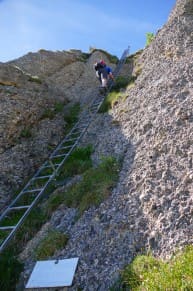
{"x": 103, "y": 73}
{"x": 110, "y": 73}
{"x": 99, "y": 66}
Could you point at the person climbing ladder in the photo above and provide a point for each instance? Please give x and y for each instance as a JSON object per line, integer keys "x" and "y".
{"x": 103, "y": 73}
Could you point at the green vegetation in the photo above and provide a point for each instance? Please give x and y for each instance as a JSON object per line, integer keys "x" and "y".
{"x": 26, "y": 132}
{"x": 121, "y": 82}
{"x": 109, "y": 101}
{"x": 35, "y": 79}
{"x": 78, "y": 162}
{"x": 35, "y": 220}
{"x": 149, "y": 38}
{"x": 59, "y": 107}
{"x": 48, "y": 113}
{"x": 93, "y": 188}
{"x": 10, "y": 269}
{"x": 72, "y": 116}
{"x": 115, "y": 95}
{"x": 12, "y": 217}
{"x": 10, "y": 266}
{"x": 53, "y": 241}
{"x": 51, "y": 112}
{"x": 149, "y": 273}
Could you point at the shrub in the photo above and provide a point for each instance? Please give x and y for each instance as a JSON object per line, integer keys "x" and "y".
{"x": 149, "y": 38}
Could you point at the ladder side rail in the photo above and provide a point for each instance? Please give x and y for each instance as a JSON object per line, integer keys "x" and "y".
{"x": 18, "y": 197}
{"x": 26, "y": 213}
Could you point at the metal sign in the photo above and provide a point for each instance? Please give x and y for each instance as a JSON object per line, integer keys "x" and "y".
{"x": 55, "y": 273}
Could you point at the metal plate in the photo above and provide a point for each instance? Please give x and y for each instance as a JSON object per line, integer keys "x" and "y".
{"x": 53, "y": 273}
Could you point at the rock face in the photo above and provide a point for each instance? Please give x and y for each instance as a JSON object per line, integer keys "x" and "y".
{"x": 152, "y": 130}
{"x": 30, "y": 125}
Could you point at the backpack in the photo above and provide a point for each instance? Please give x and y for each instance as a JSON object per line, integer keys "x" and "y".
{"x": 99, "y": 66}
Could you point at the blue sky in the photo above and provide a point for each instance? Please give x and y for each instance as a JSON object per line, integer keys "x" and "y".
{"x": 111, "y": 25}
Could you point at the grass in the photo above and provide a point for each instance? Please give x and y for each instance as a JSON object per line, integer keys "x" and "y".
{"x": 48, "y": 113}
{"x": 109, "y": 101}
{"x": 32, "y": 224}
{"x": 96, "y": 185}
{"x": 10, "y": 269}
{"x": 121, "y": 82}
{"x": 58, "y": 107}
{"x": 115, "y": 95}
{"x": 72, "y": 116}
{"x": 12, "y": 218}
{"x": 149, "y": 273}
{"x": 54, "y": 240}
{"x": 78, "y": 162}
{"x": 51, "y": 112}
{"x": 26, "y": 132}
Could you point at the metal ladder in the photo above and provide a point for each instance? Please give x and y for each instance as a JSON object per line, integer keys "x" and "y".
{"x": 28, "y": 197}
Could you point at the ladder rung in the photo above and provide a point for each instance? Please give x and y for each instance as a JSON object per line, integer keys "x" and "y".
{"x": 75, "y": 131}
{"x": 19, "y": 207}
{"x": 32, "y": 190}
{"x": 49, "y": 166}
{"x": 80, "y": 127}
{"x": 59, "y": 156}
{"x": 66, "y": 147}
{"x": 6, "y": 227}
{"x": 41, "y": 177}
{"x": 71, "y": 139}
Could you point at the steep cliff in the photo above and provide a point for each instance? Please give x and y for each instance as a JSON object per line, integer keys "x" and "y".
{"x": 151, "y": 129}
